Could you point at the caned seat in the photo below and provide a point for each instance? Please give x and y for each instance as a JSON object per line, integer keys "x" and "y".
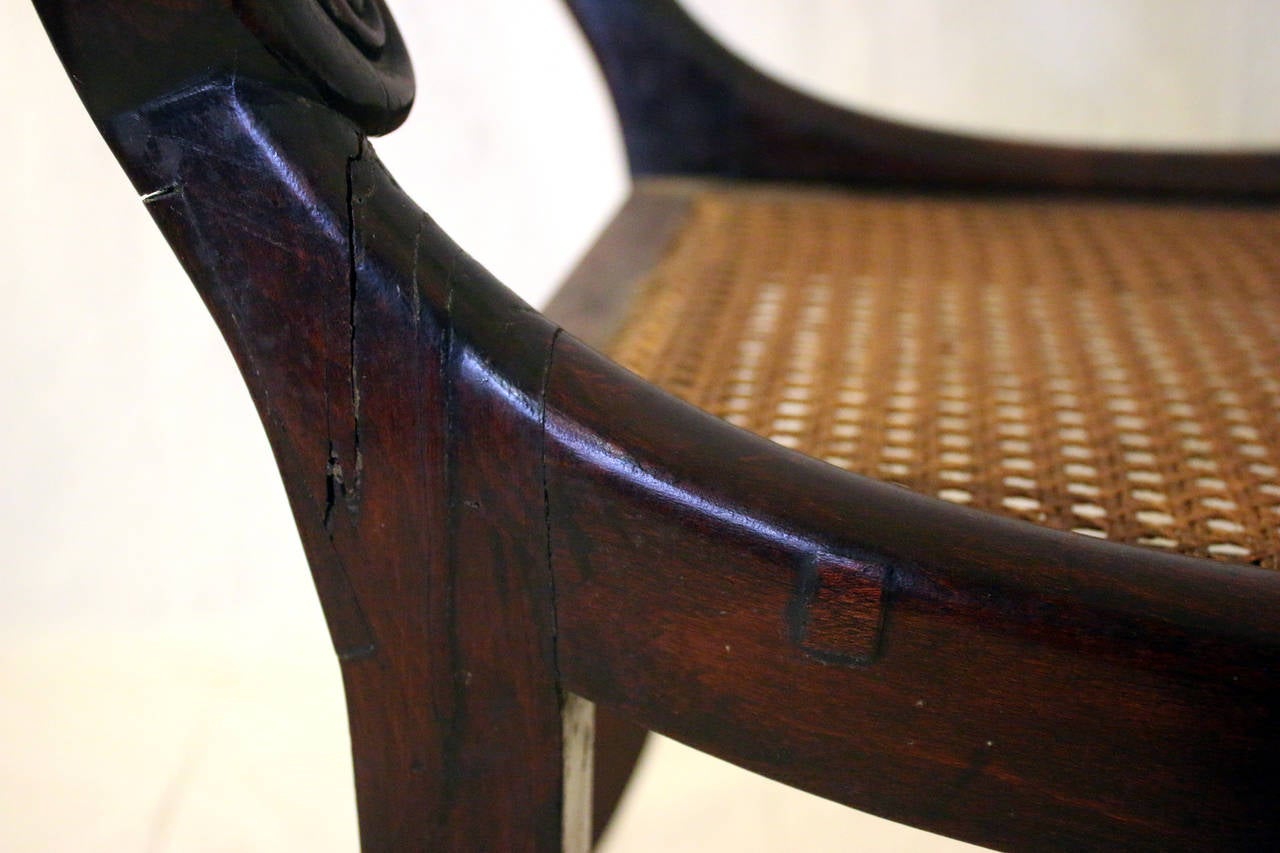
{"x": 1105, "y": 367}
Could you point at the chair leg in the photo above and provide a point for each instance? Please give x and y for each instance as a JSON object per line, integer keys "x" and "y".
{"x": 368, "y": 341}
{"x": 618, "y": 744}
{"x": 399, "y": 384}
{"x": 457, "y": 718}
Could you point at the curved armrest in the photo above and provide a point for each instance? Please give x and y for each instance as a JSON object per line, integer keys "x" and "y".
{"x": 496, "y": 515}
{"x": 980, "y": 677}
{"x": 689, "y": 106}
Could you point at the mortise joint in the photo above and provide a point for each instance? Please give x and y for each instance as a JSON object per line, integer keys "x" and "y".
{"x": 836, "y": 614}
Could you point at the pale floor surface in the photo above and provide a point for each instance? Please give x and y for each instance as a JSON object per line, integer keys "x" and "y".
{"x": 198, "y": 739}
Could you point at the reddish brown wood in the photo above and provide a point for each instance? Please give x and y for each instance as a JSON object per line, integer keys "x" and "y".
{"x": 496, "y": 515}
{"x": 1028, "y": 689}
{"x": 399, "y": 386}
{"x": 390, "y": 432}
{"x": 592, "y": 303}
{"x": 689, "y": 106}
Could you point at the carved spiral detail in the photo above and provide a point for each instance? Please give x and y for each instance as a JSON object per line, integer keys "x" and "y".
{"x": 350, "y": 50}
{"x": 361, "y": 20}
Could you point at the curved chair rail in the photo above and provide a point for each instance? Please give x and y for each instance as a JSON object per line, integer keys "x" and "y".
{"x": 496, "y": 515}
{"x": 687, "y": 105}
{"x": 979, "y": 677}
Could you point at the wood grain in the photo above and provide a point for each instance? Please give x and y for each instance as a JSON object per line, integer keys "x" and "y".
{"x": 371, "y": 346}
{"x": 499, "y": 519}
{"x": 1029, "y": 690}
{"x": 592, "y": 303}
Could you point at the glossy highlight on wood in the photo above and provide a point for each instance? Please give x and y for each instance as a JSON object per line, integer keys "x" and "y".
{"x": 504, "y": 526}
{"x": 1020, "y": 671}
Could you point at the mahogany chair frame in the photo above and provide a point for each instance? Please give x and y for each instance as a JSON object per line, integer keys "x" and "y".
{"x": 505, "y": 527}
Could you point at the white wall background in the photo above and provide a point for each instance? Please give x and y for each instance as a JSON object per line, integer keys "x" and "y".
{"x": 165, "y": 680}
{"x": 1125, "y": 72}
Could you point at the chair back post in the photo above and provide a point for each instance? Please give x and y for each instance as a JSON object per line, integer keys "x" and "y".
{"x": 399, "y": 384}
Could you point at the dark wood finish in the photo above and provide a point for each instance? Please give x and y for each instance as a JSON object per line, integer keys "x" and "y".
{"x": 360, "y": 66}
{"x": 399, "y": 386}
{"x": 996, "y": 682}
{"x": 592, "y": 303}
{"x": 500, "y": 520}
{"x": 689, "y": 106}
{"x": 128, "y": 53}
{"x": 618, "y": 745}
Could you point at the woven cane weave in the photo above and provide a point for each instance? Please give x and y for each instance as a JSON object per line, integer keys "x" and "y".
{"x": 1107, "y": 368}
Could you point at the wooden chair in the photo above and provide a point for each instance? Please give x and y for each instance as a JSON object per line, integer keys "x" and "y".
{"x": 506, "y": 526}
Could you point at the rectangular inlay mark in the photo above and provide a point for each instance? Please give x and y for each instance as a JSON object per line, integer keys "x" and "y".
{"x": 837, "y": 610}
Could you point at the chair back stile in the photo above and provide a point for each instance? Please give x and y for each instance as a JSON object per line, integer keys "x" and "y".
{"x": 505, "y": 526}
{"x": 371, "y": 346}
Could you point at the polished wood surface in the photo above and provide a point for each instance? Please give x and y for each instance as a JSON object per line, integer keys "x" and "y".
{"x": 368, "y": 341}
{"x": 498, "y": 517}
{"x": 956, "y": 631}
{"x": 1006, "y": 684}
{"x": 592, "y": 303}
{"x": 386, "y": 426}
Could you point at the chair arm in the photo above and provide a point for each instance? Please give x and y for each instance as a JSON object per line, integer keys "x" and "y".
{"x": 689, "y": 106}
{"x": 976, "y": 676}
